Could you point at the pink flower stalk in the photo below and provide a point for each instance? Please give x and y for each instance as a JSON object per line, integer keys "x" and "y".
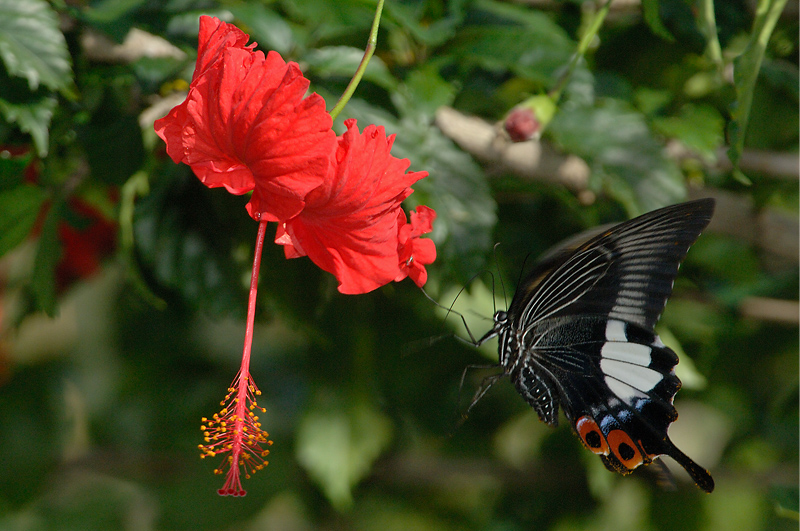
{"x": 236, "y": 428}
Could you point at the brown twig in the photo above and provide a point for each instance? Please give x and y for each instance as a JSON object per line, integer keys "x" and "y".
{"x": 736, "y": 215}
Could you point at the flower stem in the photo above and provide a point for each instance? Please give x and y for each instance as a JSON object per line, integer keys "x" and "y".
{"x": 236, "y": 428}
{"x": 362, "y": 67}
{"x": 708, "y": 25}
{"x": 251, "y": 303}
{"x": 589, "y": 33}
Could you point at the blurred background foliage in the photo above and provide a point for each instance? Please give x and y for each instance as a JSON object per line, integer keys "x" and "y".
{"x": 123, "y": 280}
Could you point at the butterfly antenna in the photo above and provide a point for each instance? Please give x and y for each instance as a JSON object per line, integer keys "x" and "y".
{"x": 522, "y": 269}
{"x": 502, "y": 284}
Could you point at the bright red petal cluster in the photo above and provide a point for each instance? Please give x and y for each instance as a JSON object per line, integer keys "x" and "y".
{"x": 350, "y": 224}
{"x": 247, "y": 125}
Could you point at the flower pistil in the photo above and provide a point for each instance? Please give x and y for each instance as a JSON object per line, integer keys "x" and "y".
{"x": 236, "y": 429}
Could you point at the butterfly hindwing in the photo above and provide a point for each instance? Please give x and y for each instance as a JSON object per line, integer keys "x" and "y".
{"x": 579, "y": 335}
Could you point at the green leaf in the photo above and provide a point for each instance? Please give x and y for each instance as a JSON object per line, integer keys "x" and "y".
{"x": 106, "y": 11}
{"x": 653, "y": 18}
{"x": 627, "y": 162}
{"x": 532, "y": 53}
{"x": 48, "y": 253}
{"x": 698, "y": 127}
{"x": 30, "y": 111}
{"x": 745, "y": 73}
{"x": 19, "y": 209}
{"x": 32, "y": 46}
{"x": 651, "y": 101}
{"x": 456, "y": 188}
{"x": 181, "y": 243}
{"x": 327, "y": 20}
{"x": 32, "y": 118}
{"x": 12, "y": 168}
{"x": 686, "y": 370}
{"x": 344, "y": 60}
{"x": 412, "y": 19}
{"x": 338, "y": 446}
{"x": 114, "y": 147}
{"x": 422, "y": 92}
{"x": 525, "y": 42}
{"x": 267, "y": 28}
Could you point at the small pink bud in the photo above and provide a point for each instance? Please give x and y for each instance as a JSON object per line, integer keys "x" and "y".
{"x": 521, "y": 124}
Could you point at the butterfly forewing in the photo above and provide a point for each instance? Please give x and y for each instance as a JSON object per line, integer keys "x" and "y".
{"x": 579, "y": 335}
{"x": 626, "y": 272}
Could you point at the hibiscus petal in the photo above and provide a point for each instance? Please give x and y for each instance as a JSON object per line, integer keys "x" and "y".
{"x": 422, "y": 220}
{"x": 415, "y": 252}
{"x": 349, "y": 225}
{"x": 360, "y": 263}
{"x": 215, "y": 36}
{"x": 247, "y": 125}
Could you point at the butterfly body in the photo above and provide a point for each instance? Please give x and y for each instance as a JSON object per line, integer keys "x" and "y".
{"x": 579, "y": 336}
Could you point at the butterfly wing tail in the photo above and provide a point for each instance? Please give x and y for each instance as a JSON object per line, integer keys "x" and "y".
{"x": 699, "y": 474}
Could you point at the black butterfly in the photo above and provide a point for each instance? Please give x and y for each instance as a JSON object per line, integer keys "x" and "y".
{"x": 579, "y": 334}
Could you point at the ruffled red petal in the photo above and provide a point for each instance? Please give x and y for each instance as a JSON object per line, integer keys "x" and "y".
{"x": 246, "y": 124}
{"x": 349, "y": 225}
{"x": 415, "y": 252}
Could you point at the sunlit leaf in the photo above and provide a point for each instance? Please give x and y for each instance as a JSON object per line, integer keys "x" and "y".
{"x": 698, "y": 127}
{"x": 653, "y": 19}
{"x": 342, "y": 61}
{"x": 19, "y": 209}
{"x": 338, "y": 446}
{"x": 32, "y": 46}
{"x": 266, "y": 27}
{"x": 626, "y": 160}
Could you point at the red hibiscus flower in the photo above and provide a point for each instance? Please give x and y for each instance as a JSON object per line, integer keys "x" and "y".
{"x": 246, "y": 125}
{"x": 349, "y": 226}
{"x": 415, "y": 252}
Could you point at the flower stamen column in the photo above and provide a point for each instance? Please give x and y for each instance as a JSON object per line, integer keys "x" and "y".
{"x": 236, "y": 428}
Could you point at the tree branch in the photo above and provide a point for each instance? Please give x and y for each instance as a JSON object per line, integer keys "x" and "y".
{"x": 736, "y": 215}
